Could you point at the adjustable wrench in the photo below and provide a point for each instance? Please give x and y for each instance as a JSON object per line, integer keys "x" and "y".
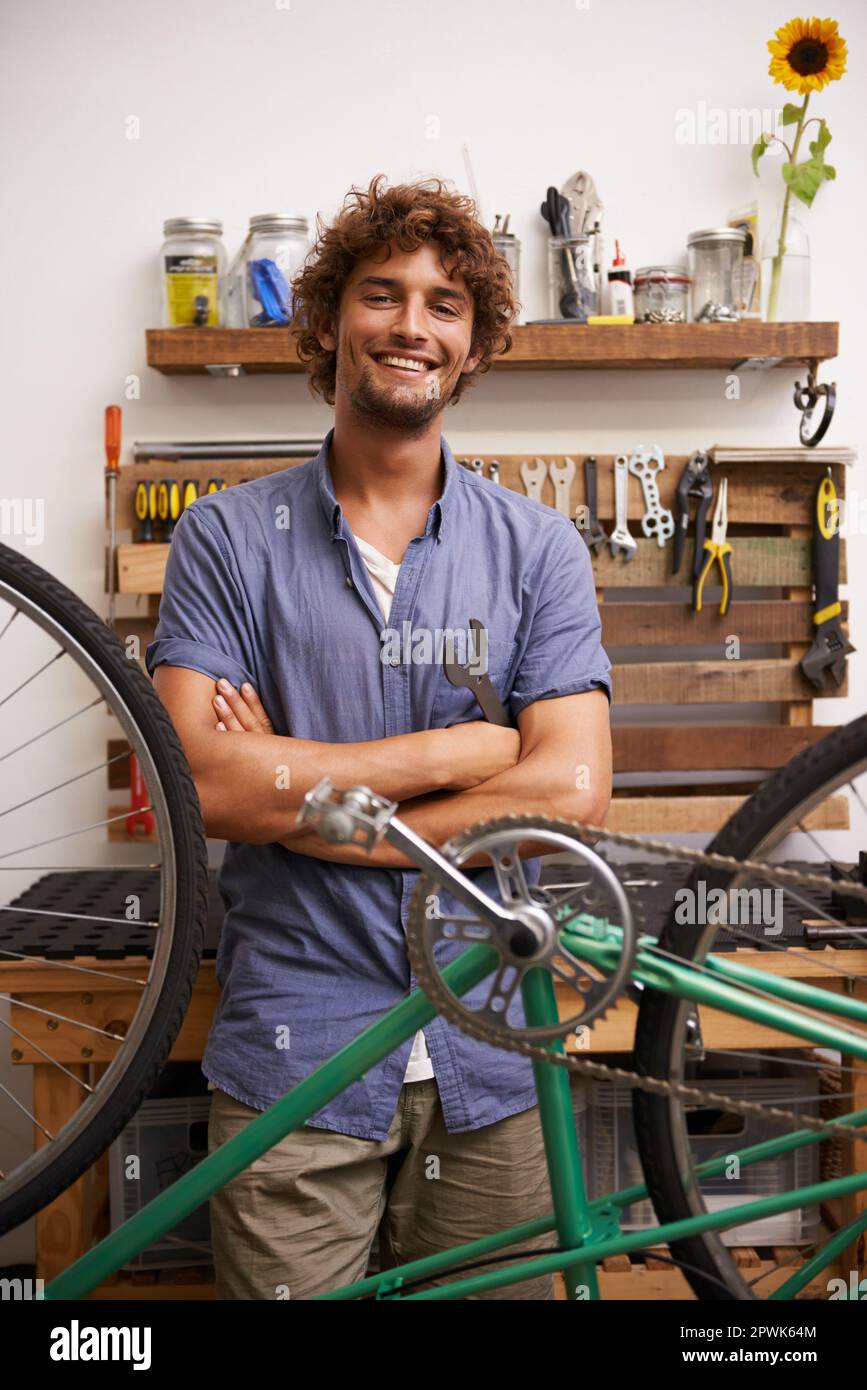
{"x": 561, "y": 476}
{"x": 657, "y": 520}
{"x": 594, "y": 536}
{"x": 532, "y": 476}
{"x": 620, "y": 539}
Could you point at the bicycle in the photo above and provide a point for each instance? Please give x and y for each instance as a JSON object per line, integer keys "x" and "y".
{"x": 584, "y": 933}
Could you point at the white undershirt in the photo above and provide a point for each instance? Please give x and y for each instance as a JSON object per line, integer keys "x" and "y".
{"x": 383, "y": 573}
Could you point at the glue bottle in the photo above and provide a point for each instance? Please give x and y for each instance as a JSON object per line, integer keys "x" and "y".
{"x": 619, "y": 285}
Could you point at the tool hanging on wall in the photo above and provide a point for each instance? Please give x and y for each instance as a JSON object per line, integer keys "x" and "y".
{"x": 657, "y": 521}
{"x": 830, "y": 646}
{"x": 718, "y": 551}
{"x": 594, "y": 536}
{"x": 620, "y": 540}
{"x": 112, "y": 470}
{"x": 140, "y": 815}
{"x": 806, "y": 400}
{"x": 561, "y": 475}
{"x": 533, "y": 476}
{"x": 168, "y": 506}
{"x": 494, "y": 471}
{"x": 694, "y": 482}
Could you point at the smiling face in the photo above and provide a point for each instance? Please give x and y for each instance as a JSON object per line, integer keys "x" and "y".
{"x": 402, "y": 338}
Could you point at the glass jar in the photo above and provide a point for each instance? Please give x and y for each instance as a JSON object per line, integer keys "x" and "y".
{"x": 509, "y": 247}
{"x": 193, "y": 273}
{"x": 271, "y": 256}
{"x": 715, "y": 269}
{"x": 786, "y": 271}
{"x": 573, "y": 292}
{"x": 661, "y": 294}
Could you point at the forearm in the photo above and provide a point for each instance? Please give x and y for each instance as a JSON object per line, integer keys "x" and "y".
{"x": 537, "y": 785}
{"x": 252, "y": 787}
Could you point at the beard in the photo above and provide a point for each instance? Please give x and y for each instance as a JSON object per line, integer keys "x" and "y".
{"x": 399, "y": 407}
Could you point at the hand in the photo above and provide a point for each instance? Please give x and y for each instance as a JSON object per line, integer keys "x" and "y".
{"x": 477, "y": 751}
{"x": 240, "y": 711}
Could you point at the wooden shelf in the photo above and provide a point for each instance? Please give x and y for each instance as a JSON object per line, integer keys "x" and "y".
{"x": 535, "y": 347}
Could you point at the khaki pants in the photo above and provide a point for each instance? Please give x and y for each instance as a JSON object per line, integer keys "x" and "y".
{"x": 302, "y": 1218}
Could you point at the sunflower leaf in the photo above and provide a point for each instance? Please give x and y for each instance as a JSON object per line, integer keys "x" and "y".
{"x": 758, "y": 150}
{"x": 804, "y": 179}
{"x": 821, "y": 142}
{"x": 791, "y": 113}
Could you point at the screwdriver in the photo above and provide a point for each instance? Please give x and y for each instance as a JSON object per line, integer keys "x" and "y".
{"x": 169, "y": 506}
{"x": 215, "y": 485}
{"x": 191, "y": 492}
{"x": 146, "y": 509}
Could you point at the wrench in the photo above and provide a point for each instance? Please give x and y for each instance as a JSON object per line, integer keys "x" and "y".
{"x": 494, "y": 471}
{"x": 561, "y": 476}
{"x": 620, "y": 539}
{"x": 594, "y": 535}
{"x": 532, "y": 476}
{"x": 657, "y": 520}
{"x": 481, "y": 685}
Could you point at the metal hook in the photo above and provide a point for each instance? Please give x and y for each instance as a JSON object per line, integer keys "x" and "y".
{"x": 806, "y": 399}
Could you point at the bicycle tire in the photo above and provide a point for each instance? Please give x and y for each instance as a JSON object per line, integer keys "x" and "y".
{"x": 707, "y": 1261}
{"x": 86, "y": 629}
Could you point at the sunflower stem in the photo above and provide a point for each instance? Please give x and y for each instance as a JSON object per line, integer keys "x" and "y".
{"x": 777, "y": 263}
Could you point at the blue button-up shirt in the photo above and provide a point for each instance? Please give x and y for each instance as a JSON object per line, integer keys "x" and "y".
{"x": 265, "y": 583}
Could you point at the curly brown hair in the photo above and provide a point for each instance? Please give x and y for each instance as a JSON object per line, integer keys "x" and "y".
{"x": 408, "y": 215}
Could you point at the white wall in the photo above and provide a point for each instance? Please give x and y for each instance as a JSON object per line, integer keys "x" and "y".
{"x": 258, "y": 106}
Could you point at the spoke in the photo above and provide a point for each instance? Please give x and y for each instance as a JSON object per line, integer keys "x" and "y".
{"x": 78, "y": 916}
{"x": 59, "y": 785}
{"x": 96, "y": 825}
{"x": 52, "y": 1013}
{"x": 25, "y": 1111}
{"x": 70, "y": 965}
{"x": 15, "y": 614}
{"x": 859, "y": 798}
{"x": 41, "y": 1050}
{"x": 31, "y": 678}
{"x": 50, "y": 730}
{"x": 844, "y": 872}
{"x": 790, "y": 1061}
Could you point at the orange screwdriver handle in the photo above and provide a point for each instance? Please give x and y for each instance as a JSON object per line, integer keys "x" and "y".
{"x": 112, "y": 439}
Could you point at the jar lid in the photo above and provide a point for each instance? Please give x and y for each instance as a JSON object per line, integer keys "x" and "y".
{"x": 207, "y": 225}
{"x": 717, "y": 234}
{"x": 277, "y": 222}
{"x": 675, "y": 273}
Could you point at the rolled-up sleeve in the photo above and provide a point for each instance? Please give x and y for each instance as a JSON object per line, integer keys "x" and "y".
{"x": 563, "y": 652}
{"x": 203, "y": 622}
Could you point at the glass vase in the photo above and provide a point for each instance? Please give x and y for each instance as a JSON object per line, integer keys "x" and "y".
{"x": 786, "y": 268}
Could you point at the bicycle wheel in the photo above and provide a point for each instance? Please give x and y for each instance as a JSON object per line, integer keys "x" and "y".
{"x": 809, "y": 795}
{"x": 62, "y": 671}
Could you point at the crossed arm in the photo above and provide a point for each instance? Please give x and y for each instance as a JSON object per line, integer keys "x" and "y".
{"x": 251, "y": 781}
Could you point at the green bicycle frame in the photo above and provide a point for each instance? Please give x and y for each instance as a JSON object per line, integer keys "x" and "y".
{"x": 585, "y": 1231}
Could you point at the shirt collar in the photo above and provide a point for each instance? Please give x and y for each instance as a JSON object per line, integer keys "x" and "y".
{"x": 333, "y": 512}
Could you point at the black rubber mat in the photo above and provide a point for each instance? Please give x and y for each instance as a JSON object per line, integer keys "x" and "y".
{"x": 99, "y": 893}
{"x": 78, "y": 898}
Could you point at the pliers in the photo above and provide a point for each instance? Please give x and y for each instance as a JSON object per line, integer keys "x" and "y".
{"x": 694, "y": 482}
{"x": 718, "y": 550}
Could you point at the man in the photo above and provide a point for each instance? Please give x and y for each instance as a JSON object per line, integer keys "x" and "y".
{"x": 288, "y": 592}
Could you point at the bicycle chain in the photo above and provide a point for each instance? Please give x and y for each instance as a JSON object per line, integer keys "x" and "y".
{"x": 438, "y": 994}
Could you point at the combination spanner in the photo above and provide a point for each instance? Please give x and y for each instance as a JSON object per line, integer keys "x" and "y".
{"x": 620, "y": 540}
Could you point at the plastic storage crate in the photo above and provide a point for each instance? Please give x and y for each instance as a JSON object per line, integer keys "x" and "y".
{"x": 614, "y": 1160}
{"x": 169, "y": 1137}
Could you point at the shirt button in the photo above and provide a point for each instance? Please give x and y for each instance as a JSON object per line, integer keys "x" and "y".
{"x": 349, "y": 581}
{"x": 394, "y": 661}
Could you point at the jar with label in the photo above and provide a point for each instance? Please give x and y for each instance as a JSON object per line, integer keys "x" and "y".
{"x": 271, "y": 257}
{"x": 193, "y": 269}
{"x": 716, "y": 258}
{"x": 661, "y": 294}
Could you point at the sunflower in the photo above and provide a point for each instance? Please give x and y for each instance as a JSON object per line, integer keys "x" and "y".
{"x": 807, "y": 54}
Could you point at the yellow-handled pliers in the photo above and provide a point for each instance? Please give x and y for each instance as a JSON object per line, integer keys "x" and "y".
{"x": 718, "y": 551}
